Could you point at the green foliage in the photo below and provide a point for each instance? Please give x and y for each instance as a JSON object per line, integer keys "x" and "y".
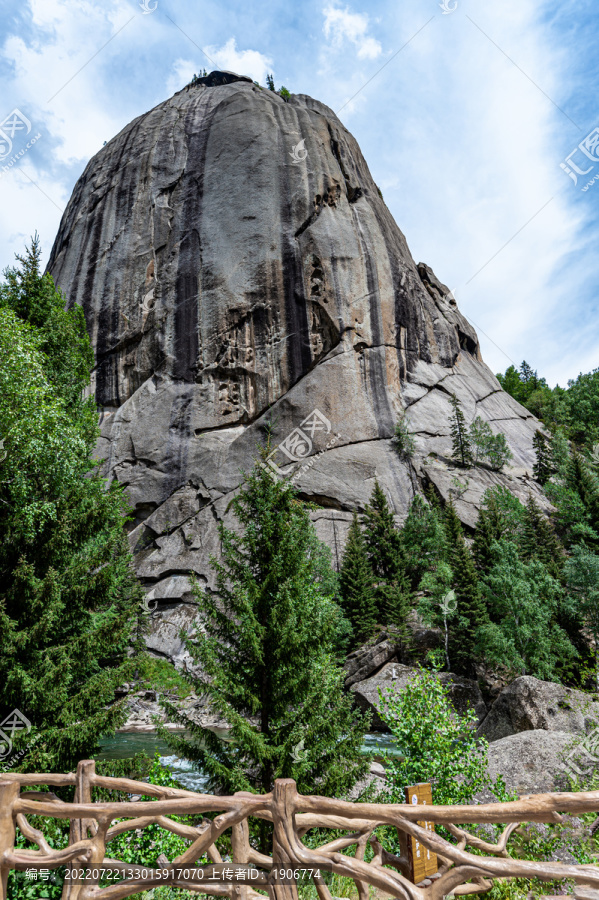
{"x": 582, "y": 577}
{"x": 500, "y": 516}
{"x": 160, "y": 675}
{"x": 143, "y": 847}
{"x": 404, "y": 439}
{"x": 357, "y": 585}
{"x": 488, "y": 447}
{"x": 523, "y": 601}
{"x": 196, "y": 78}
{"x": 284, "y": 93}
{"x": 582, "y": 408}
{"x": 69, "y": 358}
{"x": 471, "y": 613}
{"x": 526, "y": 387}
{"x": 68, "y": 596}
{"x": 422, "y": 540}
{"x": 437, "y": 745}
{"x": 460, "y": 439}
{"x": 265, "y": 645}
{"x": 575, "y": 409}
{"x": 544, "y": 465}
{"x": 574, "y": 491}
{"x": 384, "y": 548}
{"x": 537, "y": 540}
{"x": 270, "y": 83}
{"x": 439, "y": 607}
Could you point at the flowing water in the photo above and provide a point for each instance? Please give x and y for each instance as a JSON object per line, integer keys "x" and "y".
{"x": 125, "y": 745}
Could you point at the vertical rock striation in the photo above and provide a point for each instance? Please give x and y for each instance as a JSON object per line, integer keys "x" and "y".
{"x": 232, "y": 287}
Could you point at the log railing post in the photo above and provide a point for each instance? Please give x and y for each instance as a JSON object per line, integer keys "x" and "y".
{"x": 283, "y": 814}
{"x": 240, "y": 853}
{"x": 9, "y": 794}
{"x": 86, "y": 769}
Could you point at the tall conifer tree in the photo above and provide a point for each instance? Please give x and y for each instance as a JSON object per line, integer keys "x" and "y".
{"x": 471, "y": 609}
{"x": 69, "y": 599}
{"x": 460, "y": 440}
{"x": 385, "y": 554}
{"x": 544, "y": 464}
{"x": 265, "y": 648}
{"x": 356, "y": 585}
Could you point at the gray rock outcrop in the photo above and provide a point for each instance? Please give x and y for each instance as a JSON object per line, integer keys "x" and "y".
{"x": 528, "y": 704}
{"x": 463, "y": 693}
{"x": 366, "y": 660}
{"x": 241, "y": 275}
{"x": 530, "y": 762}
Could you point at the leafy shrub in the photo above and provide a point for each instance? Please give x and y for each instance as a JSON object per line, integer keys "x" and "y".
{"x": 439, "y": 746}
{"x": 488, "y": 447}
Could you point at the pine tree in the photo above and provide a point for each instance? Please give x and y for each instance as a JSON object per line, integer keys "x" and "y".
{"x": 471, "y": 609}
{"x": 265, "y": 650}
{"x": 583, "y": 480}
{"x": 270, "y": 83}
{"x": 69, "y": 600}
{"x": 544, "y": 465}
{"x": 423, "y": 540}
{"x": 539, "y": 541}
{"x": 356, "y": 584}
{"x": 461, "y": 447}
{"x": 385, "y": 554}
{"x": 500, "y": 515}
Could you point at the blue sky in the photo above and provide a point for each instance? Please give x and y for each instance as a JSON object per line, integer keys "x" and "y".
{"x": 464, "y": 117}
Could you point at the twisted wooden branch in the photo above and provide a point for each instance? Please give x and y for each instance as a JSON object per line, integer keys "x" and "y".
{"x": 293, "y": 815}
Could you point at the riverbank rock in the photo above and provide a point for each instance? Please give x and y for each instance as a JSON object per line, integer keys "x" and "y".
{"x": 528, "y": 704}
{"x": 242, "y": 277}
{"x": 464, "y": 693}
{"x": 366, "y": 660}
{"x": 532, "y": 761}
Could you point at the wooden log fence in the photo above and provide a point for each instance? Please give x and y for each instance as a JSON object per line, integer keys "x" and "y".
{"x": 249, "y": 874}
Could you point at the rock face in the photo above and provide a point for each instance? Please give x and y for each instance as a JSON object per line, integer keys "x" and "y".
{"x": 530, "y": 762}
{"x": 366, "y": 660}
{"x": 463, "y": 693}
{"x": 241, "y": 275}
{"x": 528, "y": 704}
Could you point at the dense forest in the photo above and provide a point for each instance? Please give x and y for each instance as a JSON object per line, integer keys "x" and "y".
{"x": 518, "y": 595}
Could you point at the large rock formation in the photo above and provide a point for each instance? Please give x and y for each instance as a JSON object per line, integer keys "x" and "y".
{"x": 393, "y": 678}
{"x": 241, "y": 275}
{"x": 528, "y": 704}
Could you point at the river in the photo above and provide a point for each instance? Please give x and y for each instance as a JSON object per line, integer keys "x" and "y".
{"x": 125, "y": 745}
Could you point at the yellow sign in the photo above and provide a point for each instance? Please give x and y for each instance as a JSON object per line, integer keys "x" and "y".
{"x": 423, "y": 861}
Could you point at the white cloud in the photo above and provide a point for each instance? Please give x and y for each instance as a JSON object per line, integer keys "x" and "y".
{"x": 467, "y": 150}
{"x": 182, "y": 73}
{"x": 343, "y": 25}
{"x": 243, "y": 62}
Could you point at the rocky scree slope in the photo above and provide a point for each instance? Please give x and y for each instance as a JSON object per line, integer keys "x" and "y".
{"x": 231, "y": 289}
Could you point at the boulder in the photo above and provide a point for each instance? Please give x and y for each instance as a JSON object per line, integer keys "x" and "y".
{"x": 532, "y": 761}
{"x": 421, "y": 639}
{"x": 241, "y": 276}
{"x": 528, "y": 704}
{"x": 366, "y": 660}
{"x": 464, "y": 693}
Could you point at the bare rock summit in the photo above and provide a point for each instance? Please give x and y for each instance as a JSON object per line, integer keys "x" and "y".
{"x": 241, "y": 274}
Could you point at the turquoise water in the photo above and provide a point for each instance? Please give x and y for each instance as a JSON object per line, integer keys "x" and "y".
{"x": 124, "y": 745}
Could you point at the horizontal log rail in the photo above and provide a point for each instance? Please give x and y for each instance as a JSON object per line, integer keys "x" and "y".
{"x": 248, "y": 873}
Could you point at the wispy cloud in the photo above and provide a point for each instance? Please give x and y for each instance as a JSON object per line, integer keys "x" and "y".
{"x": 464, "y": 138}
{"x": 342, "y": 25}
{"x": 245, "y": 62}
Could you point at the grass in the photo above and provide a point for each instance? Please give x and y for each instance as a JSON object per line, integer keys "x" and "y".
{"x": 162, "y": 676}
